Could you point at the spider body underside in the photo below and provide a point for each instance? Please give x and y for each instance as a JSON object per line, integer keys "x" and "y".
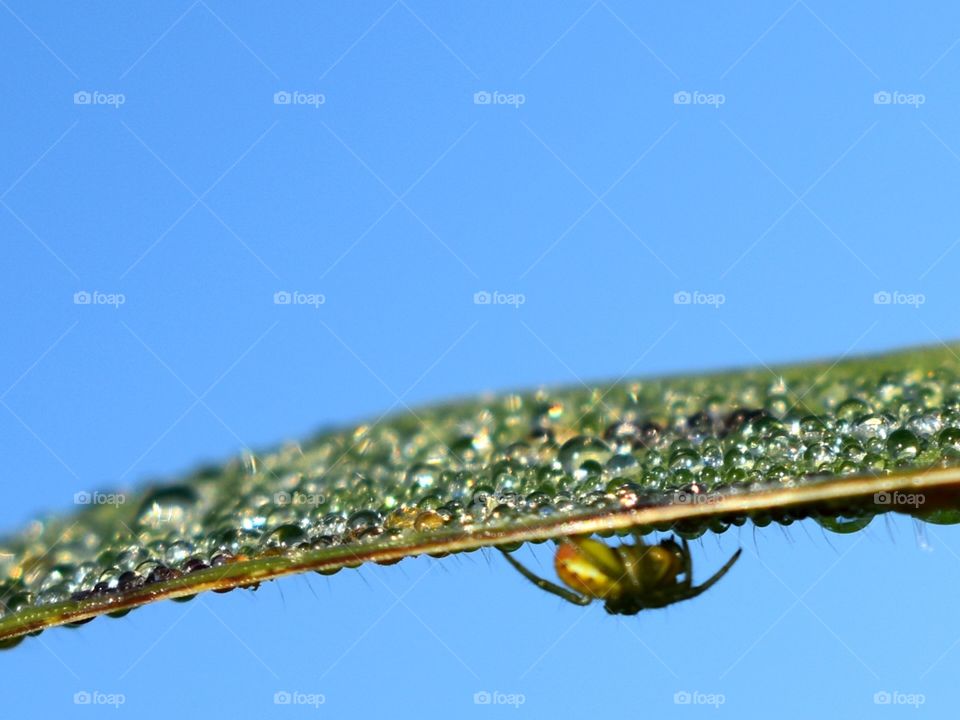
{"x": 628, "y": 577}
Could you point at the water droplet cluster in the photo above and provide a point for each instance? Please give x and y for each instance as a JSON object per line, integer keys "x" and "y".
{"x": 497, "y": 461}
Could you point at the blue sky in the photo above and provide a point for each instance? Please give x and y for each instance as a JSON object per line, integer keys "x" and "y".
{"x": 166, "y": 170}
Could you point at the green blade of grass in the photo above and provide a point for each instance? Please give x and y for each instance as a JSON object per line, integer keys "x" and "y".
{"x": 839, "y": 441}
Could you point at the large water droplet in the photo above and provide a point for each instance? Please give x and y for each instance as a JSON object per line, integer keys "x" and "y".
{"x": 903, "y": 444}
{"x": 583, "y": 448}
{"x": 167, "y": 507}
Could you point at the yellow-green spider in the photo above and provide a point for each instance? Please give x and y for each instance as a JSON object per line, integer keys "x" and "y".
{"x": 628, "y": 578}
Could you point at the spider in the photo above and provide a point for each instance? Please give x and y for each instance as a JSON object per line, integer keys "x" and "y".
{"x": 628, "y": 578}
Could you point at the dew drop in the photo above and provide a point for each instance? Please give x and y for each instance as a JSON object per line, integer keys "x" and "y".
{"x": 284, "y": 536}
{"x": 903, "y": 444}
{"x": 422, "y": 476}
{"x": 873, "y": 426}
{"x": 844, "y": 524}
{"x": 581, "y": 449}
{"x": 167, "y": 507}
{"x": 949, "y": 439}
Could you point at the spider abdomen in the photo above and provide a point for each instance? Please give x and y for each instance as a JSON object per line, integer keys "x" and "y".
{"x": 592, "y": 568}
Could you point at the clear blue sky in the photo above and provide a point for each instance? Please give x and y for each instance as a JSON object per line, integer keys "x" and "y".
{"x": 431, "y": 151}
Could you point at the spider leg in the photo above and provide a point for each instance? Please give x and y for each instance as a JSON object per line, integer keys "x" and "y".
{"x": 694, "y": 591}
{"x": 687, "y": 566}
{"x": 550, "y": 587}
